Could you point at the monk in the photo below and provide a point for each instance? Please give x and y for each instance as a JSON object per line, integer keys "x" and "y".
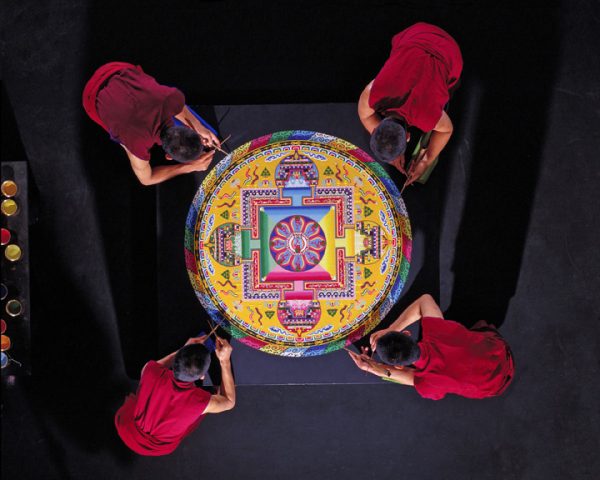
{"x": 411, "y": 90}
{"x": 168, "y": 406}
{"x": 139, "y": 113}
{"x": 447, "y": 358}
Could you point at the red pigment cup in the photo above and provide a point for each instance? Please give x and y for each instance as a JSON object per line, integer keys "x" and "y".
{"x": 5, "y": 236}
{"x": 5, "y": 343}
{"x": 2, "y": 326}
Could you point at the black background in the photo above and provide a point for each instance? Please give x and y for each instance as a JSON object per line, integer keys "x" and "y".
{"x": 518, "y": 210}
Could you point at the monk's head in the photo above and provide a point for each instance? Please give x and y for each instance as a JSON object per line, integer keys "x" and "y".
{"x": 388, "y": 140}
{"x": 396, "y": 348}
{"x": 191, "y": 363}
{"x": 181, "y": 144}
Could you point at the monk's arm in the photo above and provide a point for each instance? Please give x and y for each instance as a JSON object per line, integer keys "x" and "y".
{"x": 170, "y": 358}
{"x": 188, "y": 118}
{"x": 369, "y": 117}
{"x": 396, "y": 373}
{"x": 424, "y": 306}
{"x": 440, "y": 135}
{"x": 403, "y": 376}
{"x": 167, "y": 361}
{"x": 225, "y": 399}
{"x": 148, "y": 175}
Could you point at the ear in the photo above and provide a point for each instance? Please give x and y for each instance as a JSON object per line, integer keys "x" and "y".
{"x": 168, "y": 157}
{"x": 407, "y": 137}
{"x": 202, "y": 377}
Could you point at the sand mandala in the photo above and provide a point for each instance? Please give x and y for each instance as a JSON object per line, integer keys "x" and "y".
{"x": 298, "y": 243}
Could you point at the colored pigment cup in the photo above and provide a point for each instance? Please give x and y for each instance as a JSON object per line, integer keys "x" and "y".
{"x": 9, "y": 207}
{"x": 5, "y": 236}
{"x": 5, "y": 340}
{"x": 3, "y": 359}
{"x": 9, "y": 188}
{"x": 14, "y": 308}
{"x": 3, "y": 291}
{"x": 2, "y": 326}
{"x": 12, "y": 252}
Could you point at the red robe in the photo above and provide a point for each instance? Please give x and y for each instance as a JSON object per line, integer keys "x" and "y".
{"x": 131, "y": 106}
{"x": 162, "y": 412}
{"x": 92, "y": 87}
{"x": 471, "y": 363}
{"x": 424, "y": 66}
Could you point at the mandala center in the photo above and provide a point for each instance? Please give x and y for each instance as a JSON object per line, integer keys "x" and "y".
{"x": 297, "y": 243}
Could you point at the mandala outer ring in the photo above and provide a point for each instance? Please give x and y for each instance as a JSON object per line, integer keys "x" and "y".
{"x": 378, "y": 310}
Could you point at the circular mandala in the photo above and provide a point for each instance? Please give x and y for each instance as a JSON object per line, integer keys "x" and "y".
{"x": 297, "y": 243}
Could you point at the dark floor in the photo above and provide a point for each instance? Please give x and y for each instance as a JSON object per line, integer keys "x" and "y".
{"x": 179, "y": 311}
{"x": 519, "y": 236}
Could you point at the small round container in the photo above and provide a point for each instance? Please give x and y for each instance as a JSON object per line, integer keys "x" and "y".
{"x": 9, "y": 188}
{"x": 5, "y": 340}
{"x": 14, "y": 308}
{"x": 3, "y": 360}
{"x": 2, "y": 326}
{"x": 3, "y": 291}
{"x": 9, "y": 207}
{"x": 12, "y": 252}
{"x": 5, "y": 236}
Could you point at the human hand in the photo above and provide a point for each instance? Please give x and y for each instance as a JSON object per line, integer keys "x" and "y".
{"x": 209, "y": 139}
{"x": 194, "y": 340}
{"x": 375, "y": 336}
{"x": 201, "y": 163}
{"x": 399, "y": 162}
{"x": 223, "y": 349}
{"x": 418, "y": 167}
{"x": 361, "y": 361}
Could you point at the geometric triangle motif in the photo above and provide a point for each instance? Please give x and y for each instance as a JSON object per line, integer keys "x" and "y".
{"x": 328, "y": 171}
{"x": 265, "y": 173}
{"x": 225, "y": 274}
{"x": 269, "y": 313}
{"x": 368, "y": 211}
{"x": 368, "y": 273}
{"x": 332, "y": 311}
{"x": 225, "y": 215}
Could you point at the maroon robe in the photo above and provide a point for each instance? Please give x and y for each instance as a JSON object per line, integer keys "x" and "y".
{"x": 415, "y": 83}
{"x": 473, "y": 363}
{"x": 162, "y": 412}
{"x": 131, "y": 106}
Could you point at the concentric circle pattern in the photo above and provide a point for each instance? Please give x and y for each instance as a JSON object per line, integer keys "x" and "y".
{"x": 297, "y": 243}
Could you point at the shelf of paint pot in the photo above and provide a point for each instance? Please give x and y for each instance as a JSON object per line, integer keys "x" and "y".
{"x": 12, "y": 250}
{"x": 10, "y": 331}
{"x": 14, "y": 253}
{"x": 10, "y": 328}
